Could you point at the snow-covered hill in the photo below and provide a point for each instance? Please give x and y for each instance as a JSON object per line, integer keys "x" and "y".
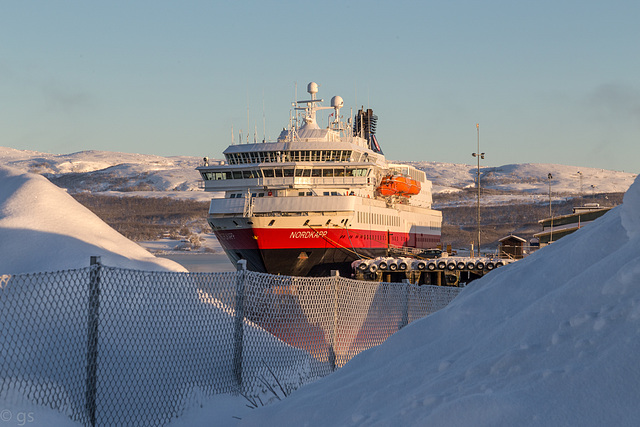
{"x": 551, "y": 340}
{"x": 42, "y": 228}
{"x": 139, "y": 174}
{"x": 98, "y": 171}
{"x": 527, "y": 178}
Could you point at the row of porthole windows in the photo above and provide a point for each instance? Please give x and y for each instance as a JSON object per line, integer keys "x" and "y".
{"x": 380, "y": 219}
{"x": 285, "y": 173}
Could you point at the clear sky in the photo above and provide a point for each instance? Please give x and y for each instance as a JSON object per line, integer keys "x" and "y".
{"x": 548, "y": 81}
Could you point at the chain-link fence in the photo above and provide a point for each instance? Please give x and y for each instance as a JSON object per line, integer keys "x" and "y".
{"x": 110, "y": 346}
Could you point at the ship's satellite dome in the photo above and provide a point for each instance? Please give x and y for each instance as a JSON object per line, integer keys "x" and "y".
{"x": 337, "y": 102}
{"x": 312, "y": 87}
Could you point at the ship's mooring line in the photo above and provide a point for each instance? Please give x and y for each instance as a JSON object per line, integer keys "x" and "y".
{"x": 350, "y": 242}
{"x": 336, "y": 244}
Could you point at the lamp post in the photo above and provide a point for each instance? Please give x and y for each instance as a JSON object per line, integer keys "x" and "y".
{"x": 479, "y": 156}
{"x": 580, "y": 178}
{"x": 550, "y": 177}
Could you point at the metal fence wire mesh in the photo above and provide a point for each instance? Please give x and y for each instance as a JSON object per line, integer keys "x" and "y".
{"x": 110, "y": 346}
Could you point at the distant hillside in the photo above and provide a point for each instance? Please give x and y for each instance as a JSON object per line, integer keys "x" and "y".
{"x": 525, "y": 180}
{"x": 513, "y": 197}
{"x": 103, "y": 171}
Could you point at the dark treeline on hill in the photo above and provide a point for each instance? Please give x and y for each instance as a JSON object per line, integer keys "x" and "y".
{"x": 148, "y": 218}
{"x": 459, "y": 223}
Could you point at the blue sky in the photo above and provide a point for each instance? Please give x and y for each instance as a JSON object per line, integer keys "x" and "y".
{"x": 548, "y": 81}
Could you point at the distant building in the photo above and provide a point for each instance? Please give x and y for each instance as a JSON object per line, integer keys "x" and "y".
{"x": 511, "y": 247}
{"x": 555, "y": 228}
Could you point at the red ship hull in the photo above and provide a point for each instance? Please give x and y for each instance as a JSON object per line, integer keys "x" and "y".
{"x": 313, "y": 252}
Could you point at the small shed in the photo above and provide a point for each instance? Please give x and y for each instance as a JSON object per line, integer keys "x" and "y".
{"x": 511, "y": 247}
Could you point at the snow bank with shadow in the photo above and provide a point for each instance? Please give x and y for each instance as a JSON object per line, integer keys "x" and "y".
{"x": 549, "y": 340}
{"x": 42, "y": 228}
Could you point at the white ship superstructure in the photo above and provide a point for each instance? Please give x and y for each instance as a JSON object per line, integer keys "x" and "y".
{"x": 318, "y": 198}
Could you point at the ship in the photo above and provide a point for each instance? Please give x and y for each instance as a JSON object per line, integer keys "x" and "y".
{"x": 317, "y": 199}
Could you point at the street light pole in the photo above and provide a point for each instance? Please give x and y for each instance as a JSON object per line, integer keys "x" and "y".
{"x": 550, "y": 177}
{"x": 581, "y": 198}
{"x": 479, "y": 156}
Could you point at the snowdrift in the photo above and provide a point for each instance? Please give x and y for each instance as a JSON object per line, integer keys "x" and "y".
{"x": 156, "y": 330}
{"x": 42, "y": 228}
{"x": 549, "y": 340}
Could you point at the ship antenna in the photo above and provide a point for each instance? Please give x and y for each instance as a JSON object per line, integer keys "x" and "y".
{"x": 290, "y": 123}
{"x": 247, "y": 114}
{"x": 232, "y": 141}
{"x": 356, "y": 90}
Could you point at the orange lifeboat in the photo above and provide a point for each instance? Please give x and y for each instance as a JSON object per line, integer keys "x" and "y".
{"x": 413, "y": 187}
{"x": 388, "y": 186}
{"x": 397, "y": 184}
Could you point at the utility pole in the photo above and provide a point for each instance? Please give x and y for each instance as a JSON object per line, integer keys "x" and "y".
{"x": 479, "y": 156}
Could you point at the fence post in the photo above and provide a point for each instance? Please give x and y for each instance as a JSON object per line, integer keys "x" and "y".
{"x": 335, "y": 277}
{"x": 92, "y": 338}
{"x": 405, "y": 304}
{"x": 238, "y": 336}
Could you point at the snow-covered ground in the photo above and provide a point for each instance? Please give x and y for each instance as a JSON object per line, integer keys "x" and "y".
{"x": 42, "y": 228}
{"x": 549, "y": 340}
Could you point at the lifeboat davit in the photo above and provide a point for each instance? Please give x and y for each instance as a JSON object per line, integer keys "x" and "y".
{"x": 397, "y": 184}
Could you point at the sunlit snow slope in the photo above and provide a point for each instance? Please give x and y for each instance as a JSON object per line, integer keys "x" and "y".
{"x": 42, "y": 228}
{"x": 552, "y": 340}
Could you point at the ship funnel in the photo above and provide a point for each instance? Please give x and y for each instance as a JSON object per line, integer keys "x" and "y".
{"x": 364, "y": 126}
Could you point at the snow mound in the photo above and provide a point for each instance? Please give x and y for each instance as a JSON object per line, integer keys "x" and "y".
{"x": 42, "y": 228}
{"x": 630, "y": 213}
{"x": 549, "y": 340}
